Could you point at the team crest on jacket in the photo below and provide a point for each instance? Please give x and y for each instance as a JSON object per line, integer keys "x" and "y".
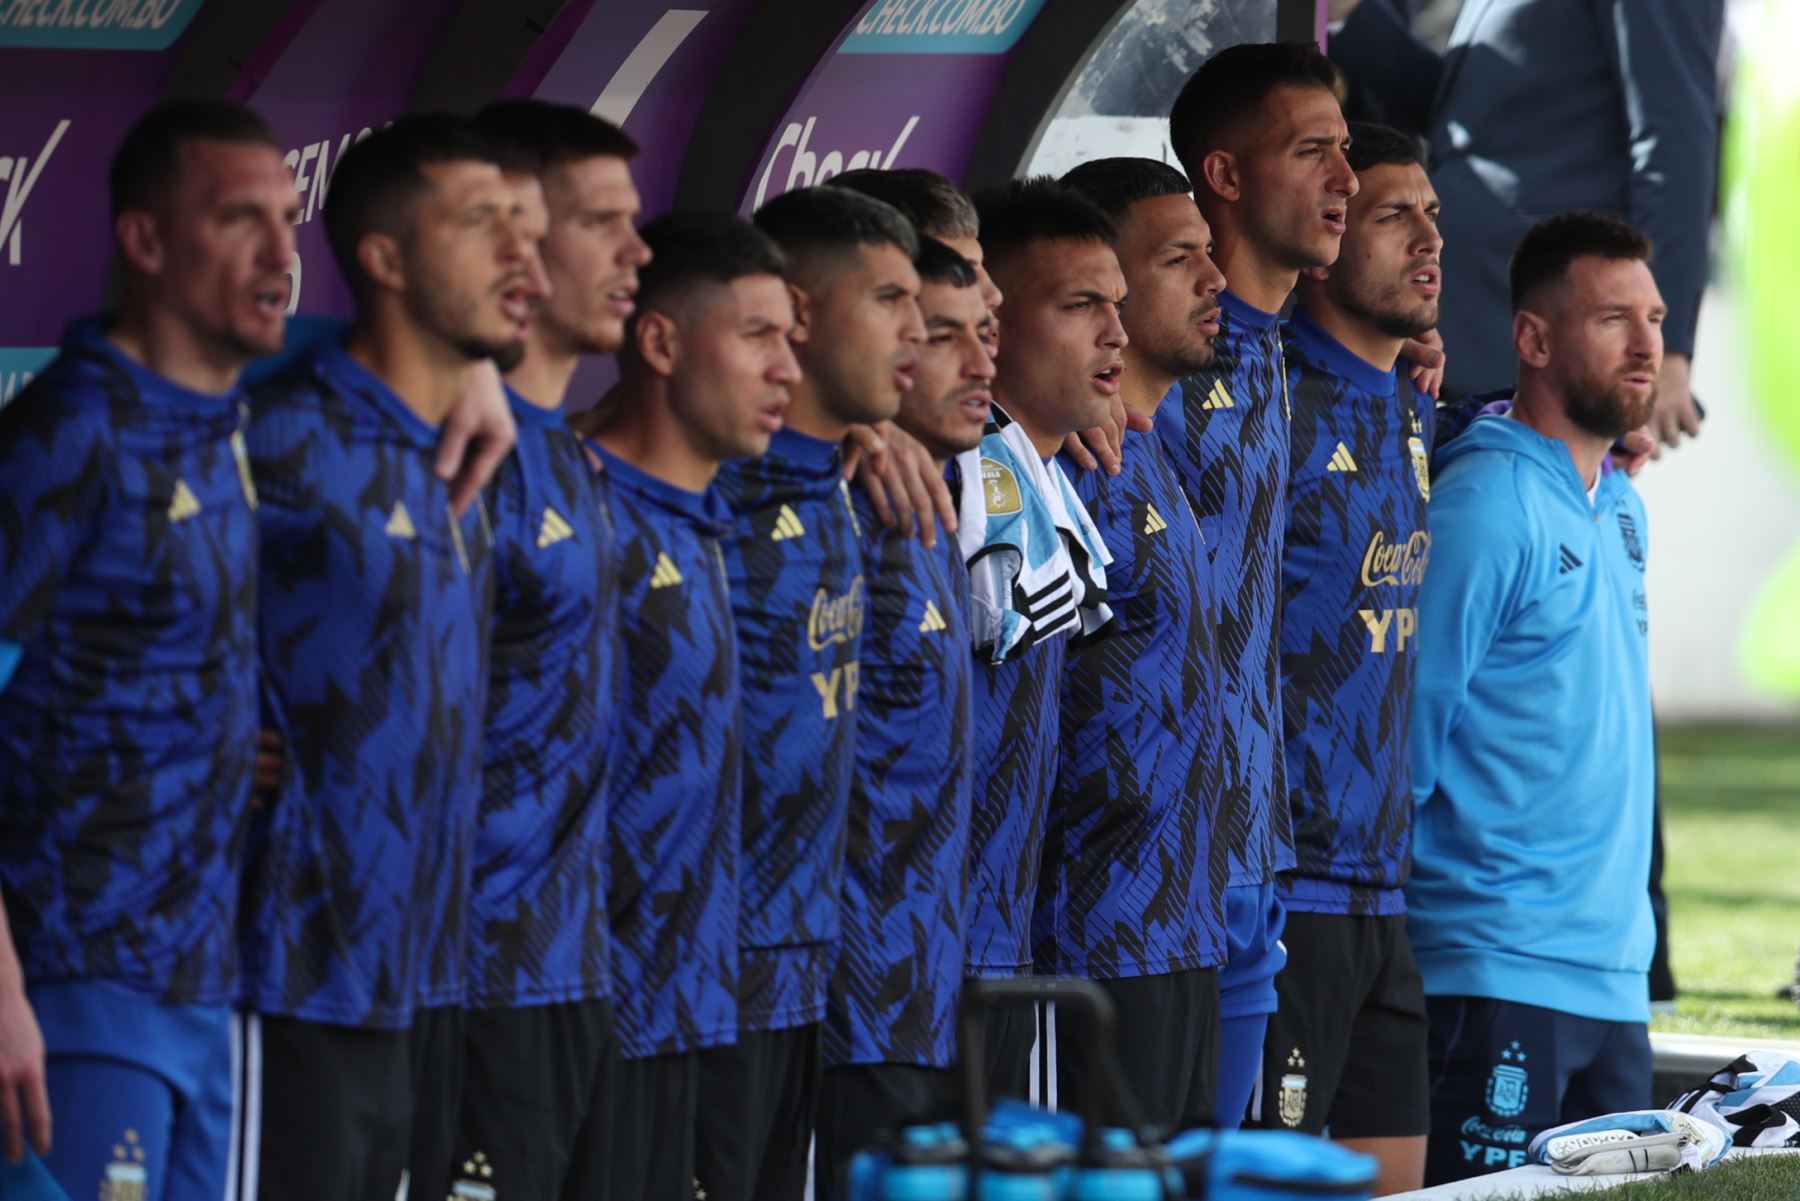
{"x": 1634, "y": 546}
{"x": 1507, "y": 1086}
{"x": 1293, "y": 1090}
{"x": 1421, "y": 465}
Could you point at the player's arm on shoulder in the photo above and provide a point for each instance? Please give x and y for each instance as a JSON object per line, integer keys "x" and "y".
{"x": 1479, "y": 556}
{"x": 56, "y": 464}
{"x": 1102, "y": 447}
{"x": 1424, "y": 362}
{"x": 24, "y": 1102}
{"x": 904, "y": 485}
{"x": 478, "y": 434}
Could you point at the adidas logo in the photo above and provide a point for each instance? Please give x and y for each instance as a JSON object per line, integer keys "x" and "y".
{"x": 554, "y": 529}
{"x": 934, "y": 620}
{"x": 1153, "y": 521}
{"x": 664, "y": 574}
{"x": 1218, "y": 397}
{"x": 400, "y": 523}
{"x": 184, "y": 504}
{"x": 1566, "y": 560}
{"x": 1341, "y": 459}
{"x": 787, "y": 525}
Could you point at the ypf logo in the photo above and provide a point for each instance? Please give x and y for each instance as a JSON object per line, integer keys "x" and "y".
{"x": 20, "y": 175}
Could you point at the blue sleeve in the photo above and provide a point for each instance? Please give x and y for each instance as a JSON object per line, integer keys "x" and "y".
{"x": 1479, "y": 559}
{"x": 1394, "y": 72}
{"x": 9, "y": 661}
{"x": 54, "y": 464}
{"x": 1664, "y": 55}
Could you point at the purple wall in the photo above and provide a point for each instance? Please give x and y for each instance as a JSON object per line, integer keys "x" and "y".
{"x": 890, "y": 95}
{"x": 65, "y": 112}
{"x": 330, "y": 75}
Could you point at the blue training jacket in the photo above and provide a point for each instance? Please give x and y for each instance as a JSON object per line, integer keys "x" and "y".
{"x": 1532, "y": 756}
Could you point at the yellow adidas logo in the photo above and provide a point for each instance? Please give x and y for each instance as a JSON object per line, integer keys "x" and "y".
{"x": 1218, "y": 397}
{"x": 400, "y": 522}
{"x": 184, "y": 504}
{"x": 787, "y": 525}
{"x": 1341, "y": 460}
{"x": 1153, "y": 521}
{"x": 664, "y": 575}
{"x": 934, "y": 620}
{"x": 554, "y": 529}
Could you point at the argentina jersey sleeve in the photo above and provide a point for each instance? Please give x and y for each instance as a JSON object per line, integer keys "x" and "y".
{"x": 538, "y": 931}
{"x": 372, "y": 635}
{"x": 1354, "y": 557}
{"x": 1229, "y": 444}
{"x": 893, "y": 994}
{"x": 54, "y": 471}
{"x": 1133, "y": 876}
{"x": 798, "y": 597}
{"x": 128, "y": 728}
{"x": 673, "y": 797}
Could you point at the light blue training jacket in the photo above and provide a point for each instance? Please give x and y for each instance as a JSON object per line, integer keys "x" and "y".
{"x": 1532, "y": 751}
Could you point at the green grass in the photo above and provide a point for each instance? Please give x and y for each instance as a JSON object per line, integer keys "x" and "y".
{"x": 1731, "y": 829}
{"x": 1766, "y": 1178}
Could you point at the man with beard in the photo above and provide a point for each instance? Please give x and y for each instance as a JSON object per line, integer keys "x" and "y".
{"x": 1531, "y": 738}
{"x": 128, "y": 673}
{"x": 1351, "y": 1017}
{"x": 538, "y": 1032}
{"x": 890, "y": 1021}
{"x": 1133, "y": 887}
{"x": 794, "y": 560}
{"x": 703, "y": 377}
{"x": 372, "y": 628}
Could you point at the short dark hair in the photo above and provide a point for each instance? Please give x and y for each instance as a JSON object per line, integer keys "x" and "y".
{"x": 534, "y": 136}
{"x": 1233, "y": 84}
{"x": 1545, "y": 252}
{"x": 1021, "y": 211}
{"x": 1115, "y": 184}
{"x": 144, "y": 166}
{"x": 938, "y": 264}
{"x": 379, "y": 177}
{"x": 936, "y": 206}
{"x": 810, "y": 221}
{"x": 694, "y": 247}
{"x": 1373, "y": 145}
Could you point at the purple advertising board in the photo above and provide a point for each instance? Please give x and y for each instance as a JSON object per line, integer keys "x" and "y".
{"x": 906, "y": 86}
{"x": 65, "y": 112}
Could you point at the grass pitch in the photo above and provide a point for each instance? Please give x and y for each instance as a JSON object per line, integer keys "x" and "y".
{"x": 1731, "y": 830}
{"x": 1764, "y": 1178}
